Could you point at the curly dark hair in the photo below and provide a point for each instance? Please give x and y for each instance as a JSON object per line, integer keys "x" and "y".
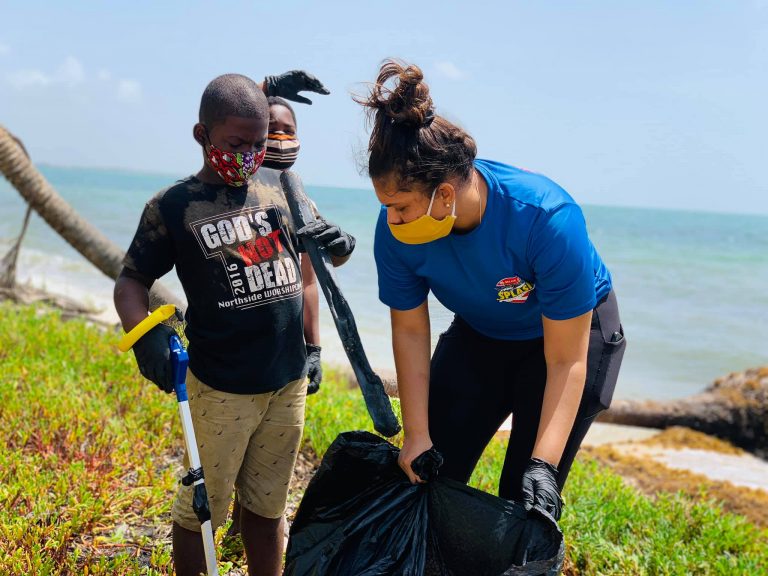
{"x": 408, "y": 139}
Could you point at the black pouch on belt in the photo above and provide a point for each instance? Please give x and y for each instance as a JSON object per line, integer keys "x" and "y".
{"x": 606, "y": 350}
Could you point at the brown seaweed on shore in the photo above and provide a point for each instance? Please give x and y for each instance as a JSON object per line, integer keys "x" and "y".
{"x": 734, "y": 408}
{"x": 652, "y": 477}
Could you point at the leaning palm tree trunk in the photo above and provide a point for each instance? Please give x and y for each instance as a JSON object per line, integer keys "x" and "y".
{"x": 8, "y": 262}
{"x": 84, "y": 237}
{"x": 734, "y": 408}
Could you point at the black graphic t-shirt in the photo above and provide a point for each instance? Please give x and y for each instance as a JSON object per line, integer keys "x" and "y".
{"x": 235, "y": 252}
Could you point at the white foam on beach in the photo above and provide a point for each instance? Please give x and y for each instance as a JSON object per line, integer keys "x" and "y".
{"x": 62, "y": 276}
{"x": 82, "y": 282}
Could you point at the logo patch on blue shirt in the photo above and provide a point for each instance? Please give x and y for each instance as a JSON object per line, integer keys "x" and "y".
{"x": 513, "y": 289}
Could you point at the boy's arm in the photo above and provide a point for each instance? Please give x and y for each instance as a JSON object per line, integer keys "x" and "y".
{"x": 311, "y": 325}
{"x": 152, "y": 353}
{"x": 311, "y": 302}
{"x": 152, "y": 252}
{"x": 131, "y": 296}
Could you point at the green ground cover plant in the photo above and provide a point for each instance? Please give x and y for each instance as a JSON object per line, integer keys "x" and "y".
{"x": 91, "y": 454}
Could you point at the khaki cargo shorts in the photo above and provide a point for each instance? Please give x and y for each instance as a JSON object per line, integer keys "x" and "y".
{"x": 247, "y": 441}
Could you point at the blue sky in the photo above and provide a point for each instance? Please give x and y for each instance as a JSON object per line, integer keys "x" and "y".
{"x": 623, "y": 103}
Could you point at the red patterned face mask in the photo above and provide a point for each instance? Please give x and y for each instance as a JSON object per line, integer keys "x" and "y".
{"x": 234, "y": 167}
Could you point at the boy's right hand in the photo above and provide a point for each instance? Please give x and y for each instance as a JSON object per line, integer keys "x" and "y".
{"x": 153, "y": 355}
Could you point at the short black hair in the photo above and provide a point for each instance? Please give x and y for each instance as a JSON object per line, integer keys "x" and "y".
{"x": 277, "y": 101}
{"x": 232, "y": 95}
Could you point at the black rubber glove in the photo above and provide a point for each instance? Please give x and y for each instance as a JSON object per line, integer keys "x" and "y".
{"x": 314, "y": 369}
{"x": 540, "y": 487}
{"x": 153, "y": 355}
{"x": 334, "y": 239}
{"x": 289, "y": 84}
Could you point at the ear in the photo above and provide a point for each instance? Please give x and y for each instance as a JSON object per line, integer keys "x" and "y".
{"x": 198, "y": 133}
{"x": 446, "y": 194}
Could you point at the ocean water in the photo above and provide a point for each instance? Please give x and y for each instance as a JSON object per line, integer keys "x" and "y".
{"x": 692, "y": 286}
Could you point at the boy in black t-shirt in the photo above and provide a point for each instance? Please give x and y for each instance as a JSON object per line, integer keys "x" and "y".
{"x": 232, "y": 240}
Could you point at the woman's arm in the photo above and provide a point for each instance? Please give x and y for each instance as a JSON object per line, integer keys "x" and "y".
{"x": 411, "y": 347}
{"x": 565, "y": 348}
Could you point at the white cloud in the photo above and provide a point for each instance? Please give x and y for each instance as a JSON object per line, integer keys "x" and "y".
{"x": 449, "y": 70}
{"x": 70, "y": 72}
{"x": 28, "y": 78}
{"x": 129, "y": 91}
{"x": 4, "y": 49}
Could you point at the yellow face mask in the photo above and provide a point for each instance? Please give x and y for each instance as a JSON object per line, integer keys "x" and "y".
{"x": 425, "y": 228}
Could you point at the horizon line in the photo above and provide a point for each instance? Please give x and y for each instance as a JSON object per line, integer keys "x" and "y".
{"x": 148, "y": 172}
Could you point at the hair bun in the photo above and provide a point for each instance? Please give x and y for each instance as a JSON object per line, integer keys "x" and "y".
{"x": 411, "y": 75}
{"x": 400, "y": 96}
{"x": 408, "y": 140}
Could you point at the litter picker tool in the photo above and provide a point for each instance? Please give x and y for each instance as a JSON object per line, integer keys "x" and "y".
{"x": 194, "y": 477}
{"x": 376, "y": 399}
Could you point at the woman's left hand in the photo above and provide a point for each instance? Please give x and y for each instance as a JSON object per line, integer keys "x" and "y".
{"x": 540, "y": 487}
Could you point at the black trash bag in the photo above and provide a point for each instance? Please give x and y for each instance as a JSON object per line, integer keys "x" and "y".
{"x": 360, "y": 516}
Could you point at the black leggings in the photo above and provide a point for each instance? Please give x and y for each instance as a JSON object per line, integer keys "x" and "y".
{"x": 476, "y": 382}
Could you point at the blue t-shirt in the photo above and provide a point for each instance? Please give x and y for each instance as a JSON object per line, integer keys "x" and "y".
{"x": 530, "y": 255}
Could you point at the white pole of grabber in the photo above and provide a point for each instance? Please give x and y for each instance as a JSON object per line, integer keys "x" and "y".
{"x": 194, "y": 464}
{"x": 194, "y": 478}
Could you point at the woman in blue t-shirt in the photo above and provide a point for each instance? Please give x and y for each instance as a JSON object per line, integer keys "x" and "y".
{"x": 536, "y": 333}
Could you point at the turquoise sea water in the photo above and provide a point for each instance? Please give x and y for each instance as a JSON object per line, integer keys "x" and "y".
{"x": 692, "y": 287}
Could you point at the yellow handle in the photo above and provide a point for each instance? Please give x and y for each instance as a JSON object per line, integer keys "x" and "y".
{"x": 160, "y": 315}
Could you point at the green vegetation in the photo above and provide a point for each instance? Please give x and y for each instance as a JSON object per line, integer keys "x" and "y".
{"x": 86, "y": 466}
{"x": 91, "y": 457}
